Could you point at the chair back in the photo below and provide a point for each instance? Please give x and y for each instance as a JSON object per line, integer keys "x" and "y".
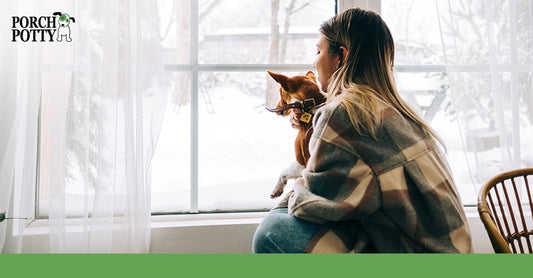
{"x": 506, "y": 210}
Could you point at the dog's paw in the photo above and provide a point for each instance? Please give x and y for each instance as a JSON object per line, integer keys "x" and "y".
{"x": 278, "y": 190}
{"x": 276, "y": 193}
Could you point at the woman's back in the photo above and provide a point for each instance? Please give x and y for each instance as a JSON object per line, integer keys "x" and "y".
{"x": 392, "y": 194}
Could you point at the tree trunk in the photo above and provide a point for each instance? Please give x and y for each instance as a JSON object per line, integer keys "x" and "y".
{"x": 285, "y": 38}
{"x": 273, "y": 54}
{"x": 182, "y": 93}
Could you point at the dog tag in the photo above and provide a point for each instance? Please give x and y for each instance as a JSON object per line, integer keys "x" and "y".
{"x": 306, "y": 117}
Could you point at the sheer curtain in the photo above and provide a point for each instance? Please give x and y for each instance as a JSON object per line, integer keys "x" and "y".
{"x": 19, "y": 106}
{"x": 102, "y": 97}
{"x": 488, "y": 50}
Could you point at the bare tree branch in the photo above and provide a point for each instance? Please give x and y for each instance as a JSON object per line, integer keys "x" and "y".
{"x": 209, "y": 9}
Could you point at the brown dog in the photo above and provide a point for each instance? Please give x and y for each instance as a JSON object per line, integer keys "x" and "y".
{"x": 300, "y": 92}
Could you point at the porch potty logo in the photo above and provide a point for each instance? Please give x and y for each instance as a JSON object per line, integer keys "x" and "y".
{"x": 42, "y": 29}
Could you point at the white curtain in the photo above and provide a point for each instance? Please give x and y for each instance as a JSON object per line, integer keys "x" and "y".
{"x": 19, "y": 107}
{"x": 102, "y": 98}
{"x": 488, "y": 50}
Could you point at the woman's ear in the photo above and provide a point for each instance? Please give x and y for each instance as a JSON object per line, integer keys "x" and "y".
{"x": 343, "y": 54}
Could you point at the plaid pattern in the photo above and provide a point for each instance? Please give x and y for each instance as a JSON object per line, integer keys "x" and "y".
{"x": 394, "y": 194}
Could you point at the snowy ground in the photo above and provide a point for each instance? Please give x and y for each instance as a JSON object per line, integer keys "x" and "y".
{"x": 242, "y": 150}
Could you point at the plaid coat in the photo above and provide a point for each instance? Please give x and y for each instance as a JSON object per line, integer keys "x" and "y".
{"x": 394, "y": 194}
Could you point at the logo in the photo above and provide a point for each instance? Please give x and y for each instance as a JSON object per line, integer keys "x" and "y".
{"x": 42, "y": 29}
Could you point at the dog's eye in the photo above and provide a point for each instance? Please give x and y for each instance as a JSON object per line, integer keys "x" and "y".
{"x": 317, "y": 52}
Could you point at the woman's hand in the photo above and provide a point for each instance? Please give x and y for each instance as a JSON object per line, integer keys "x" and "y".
{"x": 295, "y": 118}
{"x": 284, "y": 203}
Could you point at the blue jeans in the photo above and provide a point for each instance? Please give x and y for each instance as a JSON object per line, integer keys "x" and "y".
{"x": 280, "y": 232}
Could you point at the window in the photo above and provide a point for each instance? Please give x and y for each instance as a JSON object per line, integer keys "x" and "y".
{"x": 219, "y": 149}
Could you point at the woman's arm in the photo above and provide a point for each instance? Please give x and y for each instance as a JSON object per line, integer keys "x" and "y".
{"x": 336, "y": 185}
{"x": 335, "y": 189}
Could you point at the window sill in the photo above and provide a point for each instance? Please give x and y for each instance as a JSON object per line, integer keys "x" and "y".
{"x": 41, "y": 226}
{"x": 206, "y": 219}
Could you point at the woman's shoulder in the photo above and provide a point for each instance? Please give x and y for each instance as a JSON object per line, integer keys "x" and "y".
{"x": 329, "y": 107}
{"x": 332, "y": 123}
{"x": 333, "y": 111}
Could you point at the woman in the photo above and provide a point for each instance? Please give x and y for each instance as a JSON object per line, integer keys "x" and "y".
{"x": 376, "y": 180}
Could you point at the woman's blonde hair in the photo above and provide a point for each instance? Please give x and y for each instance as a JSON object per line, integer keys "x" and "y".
{"x": 364, "y": 77}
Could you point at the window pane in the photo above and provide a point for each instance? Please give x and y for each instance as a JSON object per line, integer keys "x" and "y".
{"x": 415, "y": 28}
{"x": 52, "y": 174}
{"x": 242, "y": 147}
{"x": 171, "y": 162}
{"x": 235, "y": 33}
{"x": 77, "y": 126}
{"x": 175, "y": 30}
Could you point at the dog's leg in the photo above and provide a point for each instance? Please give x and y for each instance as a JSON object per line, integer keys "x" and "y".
{"x": 292, "y": 172}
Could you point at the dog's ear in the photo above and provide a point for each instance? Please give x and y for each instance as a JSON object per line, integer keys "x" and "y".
{"x": 311, "y": 75}
{"x": 57, "y": 13}
{"x": 280, "y": 78}
{"x": 72, "y": 19}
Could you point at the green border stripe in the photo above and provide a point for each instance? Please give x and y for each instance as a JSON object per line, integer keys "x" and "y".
{"x": 251, "y": 265}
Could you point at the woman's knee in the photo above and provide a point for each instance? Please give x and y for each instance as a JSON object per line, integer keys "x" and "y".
{"x": 280, "y": 232}
{"x": 263, "y": 243}
{"x": 265, "y": 236}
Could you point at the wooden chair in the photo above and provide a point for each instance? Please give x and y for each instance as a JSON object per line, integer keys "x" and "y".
{"x": 506, "y": 209}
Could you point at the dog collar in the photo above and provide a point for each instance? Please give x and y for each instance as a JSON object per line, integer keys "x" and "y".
{"x": 304, "y": 105}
